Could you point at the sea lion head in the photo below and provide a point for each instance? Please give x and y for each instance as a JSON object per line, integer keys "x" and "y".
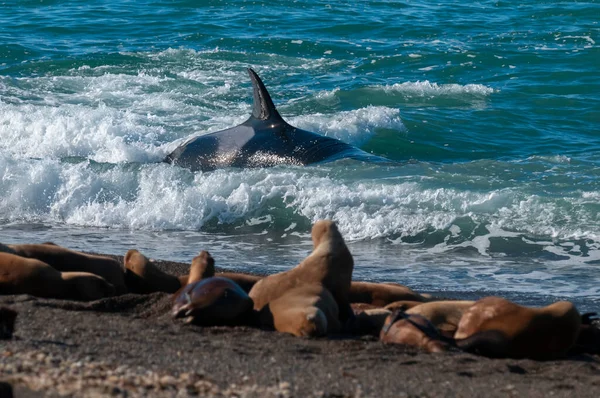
{"x": 325, "y": 230}
{"x": 212, "y": 301}
{"x": 414, "y": 330}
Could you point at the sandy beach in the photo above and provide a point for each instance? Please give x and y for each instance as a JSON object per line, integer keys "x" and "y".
{"x": 130, "y": 346}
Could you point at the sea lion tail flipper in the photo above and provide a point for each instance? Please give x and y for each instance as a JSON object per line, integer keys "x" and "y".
{"x": 263, "y": 107}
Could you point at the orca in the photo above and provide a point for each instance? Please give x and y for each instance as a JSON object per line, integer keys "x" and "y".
{"x": 264, "y": 140}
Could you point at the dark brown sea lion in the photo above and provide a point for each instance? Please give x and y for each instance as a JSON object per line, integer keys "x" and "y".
{"x": 65, "y": 260}
{"x": 413, "y": 330}
{"x": 496, "y": 327}
{"x": 588, "y": 340}
{"x": 402, "y": 305}
{"x": 369, "y": 321}
{"x": 330, "y": 264}
{"x": 7, "y": 323}
{"x": 20, "y": 275}
{"x": 382, "y": 294}
{"x": 214, "y": 301}
{"x": 143, "y": 277}
{"x": 444, "y": 315}
{"x": 304, "y": 311}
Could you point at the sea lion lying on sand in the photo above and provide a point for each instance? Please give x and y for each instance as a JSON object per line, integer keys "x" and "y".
{"x": 214, "y": 301}
{"x": 414, "y": 330}
{"x": 304, "y": 311}
{"x": 66, "y": 260}
{"x": 20, "y": 275}
{"x": 330, "y": 264}
{"x": 382, "y": 294}
{"x": 142, "y": 276}
{"x": 496, "y": 327}
{"x": 444, "y": 315}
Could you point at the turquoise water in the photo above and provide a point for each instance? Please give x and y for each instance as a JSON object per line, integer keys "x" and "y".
{"x": 493, "y": 108}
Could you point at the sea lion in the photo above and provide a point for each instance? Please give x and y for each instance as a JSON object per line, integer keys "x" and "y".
{"x": 444, "y": 315}
{"x": 414, "y": 330}
{"x": 203, "y": 266}
{"x": 143, "y": 277}
{"x": 304, "y": 311}
{"x": 588, "y": 340}
{"x": 496, "y": 327}
{"x": 382, "y": 294}
{"x": 214, "y": 301}
{"x": 369, "y": 321}
{"x": 246, "y": 281}
{"x": 66, "y": 260}
{"x": 402, "y": 305}
{"x": 20, "y": 275}
{"x": 7, "y": 323}
{"x": 330, "y": 264}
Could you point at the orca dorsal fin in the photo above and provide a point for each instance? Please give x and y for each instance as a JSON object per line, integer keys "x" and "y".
{"x": 263, "y": 107}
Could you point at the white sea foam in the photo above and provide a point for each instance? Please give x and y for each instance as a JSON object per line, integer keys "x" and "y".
{"x": 427, "y": 89}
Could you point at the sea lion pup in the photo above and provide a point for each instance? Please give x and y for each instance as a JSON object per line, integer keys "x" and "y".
{"x": 382, "y": 294}
{"x": 414, "y": 330}
{"x": 214, "y": 301}
{"x": 7, "y": 323}
{"x": 304, "y": 311}
{"x": 496, "y": 327}
{"x": 66, "y": 260}
{"x": 20, "y": 275}
{"x": 444, "y": 315}
{"x": 143, "y": 277}
{"x": 330, "y": 264}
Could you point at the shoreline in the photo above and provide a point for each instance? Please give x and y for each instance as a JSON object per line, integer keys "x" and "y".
{"x": 129, "y": 346}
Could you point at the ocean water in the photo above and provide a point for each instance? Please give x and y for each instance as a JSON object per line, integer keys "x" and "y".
{"x": 492, "y": 109}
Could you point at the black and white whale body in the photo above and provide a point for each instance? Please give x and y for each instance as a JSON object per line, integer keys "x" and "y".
{"x": 264, "y": 140}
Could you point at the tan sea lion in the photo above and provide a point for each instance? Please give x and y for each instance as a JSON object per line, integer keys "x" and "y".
{"x": 304, "y": 311}
{"x": 413, "y": 330}
{"x": 382, "y": 294}
{"x": 330, "y": 264}
{"x": 66, "y": 260}
{"x": 214, "y": 301}
{"x": 20, "y": 275}
{"x": 203, "y": 266}
{"x": 444, "y": 315}
{"x": 496, "y": 327}
{"x": 143, "y": 277}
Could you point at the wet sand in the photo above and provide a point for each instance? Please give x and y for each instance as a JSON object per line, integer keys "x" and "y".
{"x": 130, "y": 346}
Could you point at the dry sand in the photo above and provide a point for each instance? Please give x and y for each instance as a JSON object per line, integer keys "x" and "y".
{"x": 130, "y": 346}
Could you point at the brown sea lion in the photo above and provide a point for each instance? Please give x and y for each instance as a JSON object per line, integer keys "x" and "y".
{"x": 65, "y": 260}
{"x": 20, "y": 275}
{"x": 330, "y": 264}
{"x": 413, "y": 330}
{"x": 143, "y": 277}
{"x": 444, "y": 315}
{"x": 369, "y": 321}
{"x": 496, "y": 327}
{"x": 214, "y": 301}
{"x": 7, "y": 323}
{"x": 382, "y": 294}
{"x": 304, "y": 311}
{"x": 402, "y": 305}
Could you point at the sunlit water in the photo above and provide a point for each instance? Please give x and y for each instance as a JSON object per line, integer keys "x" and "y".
{"x": 492, "y": 109}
